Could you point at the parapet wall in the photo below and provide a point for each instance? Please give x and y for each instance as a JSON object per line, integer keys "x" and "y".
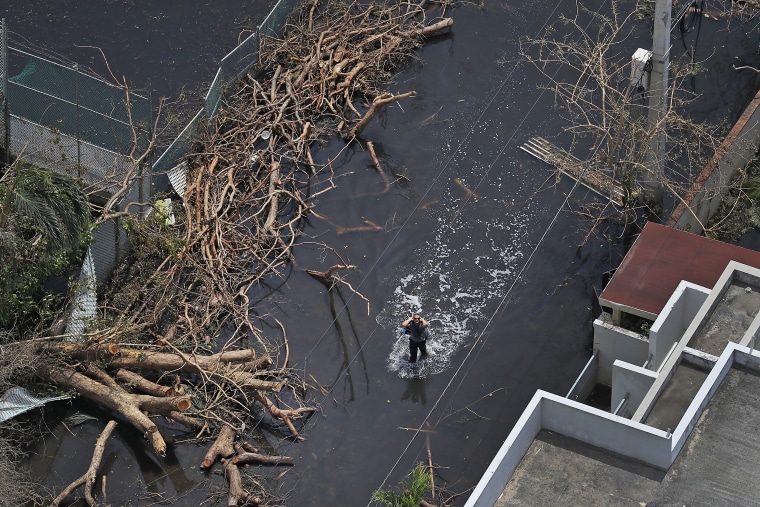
{"x": 603, "y": 430}
{"x": 674, "y": 320}
{"x": 613, "y": 342}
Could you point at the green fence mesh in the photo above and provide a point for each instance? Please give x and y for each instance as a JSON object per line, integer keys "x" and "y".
{"x": 73, "y": 103}
{"x": 238, "y": 61}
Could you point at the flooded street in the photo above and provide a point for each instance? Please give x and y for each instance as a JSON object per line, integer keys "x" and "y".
{"x": 471, "y": 231}
{"x": 471, "y": 237}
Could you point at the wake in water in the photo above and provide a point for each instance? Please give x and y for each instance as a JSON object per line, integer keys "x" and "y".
{"x": 453, "y": 289}
{"x": 447, "y": 333}
{"x": 438, "y": 357}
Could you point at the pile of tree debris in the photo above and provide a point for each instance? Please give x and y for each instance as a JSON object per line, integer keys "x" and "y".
{"x": 176, "y": 336}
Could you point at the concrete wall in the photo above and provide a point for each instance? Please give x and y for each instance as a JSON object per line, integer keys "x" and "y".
{"x": 586, "y": 381}
{"x": 601, "y": 429}
{"x": 630, "y": 381}
{"x": 673, "y": 321}
{"x": 698, "y": 359}
{"x": 706, "y": 195}
{"x": 575, "y": 420}
{"x": 733, "y": 270}
{"x": 751, "y": 338}
{"x": 733, "y": 352}
{"x": 508, "y": 458}
{"x": 614, "y": 343}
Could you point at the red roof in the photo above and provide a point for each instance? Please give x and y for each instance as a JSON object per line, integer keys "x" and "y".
{"x": 660, "y": 258}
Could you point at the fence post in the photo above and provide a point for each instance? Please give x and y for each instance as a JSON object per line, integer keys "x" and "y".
{"x": 79, "y": 133}
{"x": 6, "y": 110}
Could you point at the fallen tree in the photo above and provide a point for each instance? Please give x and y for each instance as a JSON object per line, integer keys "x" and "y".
{"x": 176, "y": 337}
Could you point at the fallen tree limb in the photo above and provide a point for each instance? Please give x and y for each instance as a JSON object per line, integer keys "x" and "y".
{"x": 186, "y": 420}
{"x": 130, "y": 406}
{"x": 254, "y": 457}
{"x": 163, "y": 406}
{"x": 246, "y": 380}
{"x": 437, "y": 27}
{"x": 88, "y": 479}
{"x": 237, "y": 493}
{"x": 374, "y": 108}
{"x": 142, "y": 383}
{"x": 285, "y": 416}
{"x": 81, "y": 351}
{"x": 324, "y": 275}
{"x": 376, "y": 162}
{"x": 169, "y": 361}
{"x": 261, "y": 363}
{"x": 221, "y": 448}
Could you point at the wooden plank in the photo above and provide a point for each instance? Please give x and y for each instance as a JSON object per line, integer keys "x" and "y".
{"x": 589, "y": 175}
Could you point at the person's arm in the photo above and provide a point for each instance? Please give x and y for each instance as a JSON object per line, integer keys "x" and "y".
{"x": 424, "y": 322}
{"x": 406, "y": 322}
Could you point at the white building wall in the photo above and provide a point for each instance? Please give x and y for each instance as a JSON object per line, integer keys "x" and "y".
{"x": 613, "y": 343}
{"x": 673, "y": 321}
{"x": 630, "y": 381}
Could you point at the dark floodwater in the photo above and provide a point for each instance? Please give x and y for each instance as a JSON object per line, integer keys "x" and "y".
{"x": 166, "y": 45}
{"x": 507, "y": 274}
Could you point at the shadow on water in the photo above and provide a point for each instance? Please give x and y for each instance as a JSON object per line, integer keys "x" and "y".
{"x": 350, "y": 362}
{"x": 460, "y": 225}
{"x": 415, "y": 391}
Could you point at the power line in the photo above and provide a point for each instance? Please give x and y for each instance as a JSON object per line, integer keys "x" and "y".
{"x": 480, "y": 338}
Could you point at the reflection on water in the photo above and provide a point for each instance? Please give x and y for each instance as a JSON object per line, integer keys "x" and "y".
{"x": 415, "y": 391}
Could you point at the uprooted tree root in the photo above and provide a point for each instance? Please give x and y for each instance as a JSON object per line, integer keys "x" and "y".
{"x": 176, "y": 336}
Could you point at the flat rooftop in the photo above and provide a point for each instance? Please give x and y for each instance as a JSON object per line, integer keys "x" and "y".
{"x": 730, "y": 319}
{"x": 660, "y": 258}
{"x": 718, "y": 465}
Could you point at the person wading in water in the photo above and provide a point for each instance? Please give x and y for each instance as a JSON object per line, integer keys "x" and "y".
{"x": 416, "y": 327}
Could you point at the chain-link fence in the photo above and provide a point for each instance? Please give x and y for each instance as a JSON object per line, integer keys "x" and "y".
{"x": 65, "y": 120}
{"x": 243, "y": 58}
{"x": 5, "y": 138}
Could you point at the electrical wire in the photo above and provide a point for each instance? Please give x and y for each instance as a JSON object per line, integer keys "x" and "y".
{"x": 481, "y": 338}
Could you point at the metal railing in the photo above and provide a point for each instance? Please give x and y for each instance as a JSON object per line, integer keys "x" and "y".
{"x": 242, "y": 59}
{"x": 65, "y": 120}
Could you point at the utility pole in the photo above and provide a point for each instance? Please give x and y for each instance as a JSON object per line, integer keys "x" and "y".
{"x": 655, "y": 160}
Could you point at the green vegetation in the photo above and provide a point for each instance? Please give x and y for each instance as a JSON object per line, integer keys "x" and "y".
{"x": 413, "y": 489}
{"x": 44, "y": 228}
{"x": 152, "y": 237}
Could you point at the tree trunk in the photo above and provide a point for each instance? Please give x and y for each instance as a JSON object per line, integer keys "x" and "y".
{"x": 83, "y": 351}
{"x": 128, "y": 405}
{"x": 254, "y": 457}
{"x": 222, "y": 447}
{"x": 170, "y": 361}
{"x": 143, "y": 384}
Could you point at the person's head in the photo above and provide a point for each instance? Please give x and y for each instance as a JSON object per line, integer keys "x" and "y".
{"x": 416, "y": 318}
